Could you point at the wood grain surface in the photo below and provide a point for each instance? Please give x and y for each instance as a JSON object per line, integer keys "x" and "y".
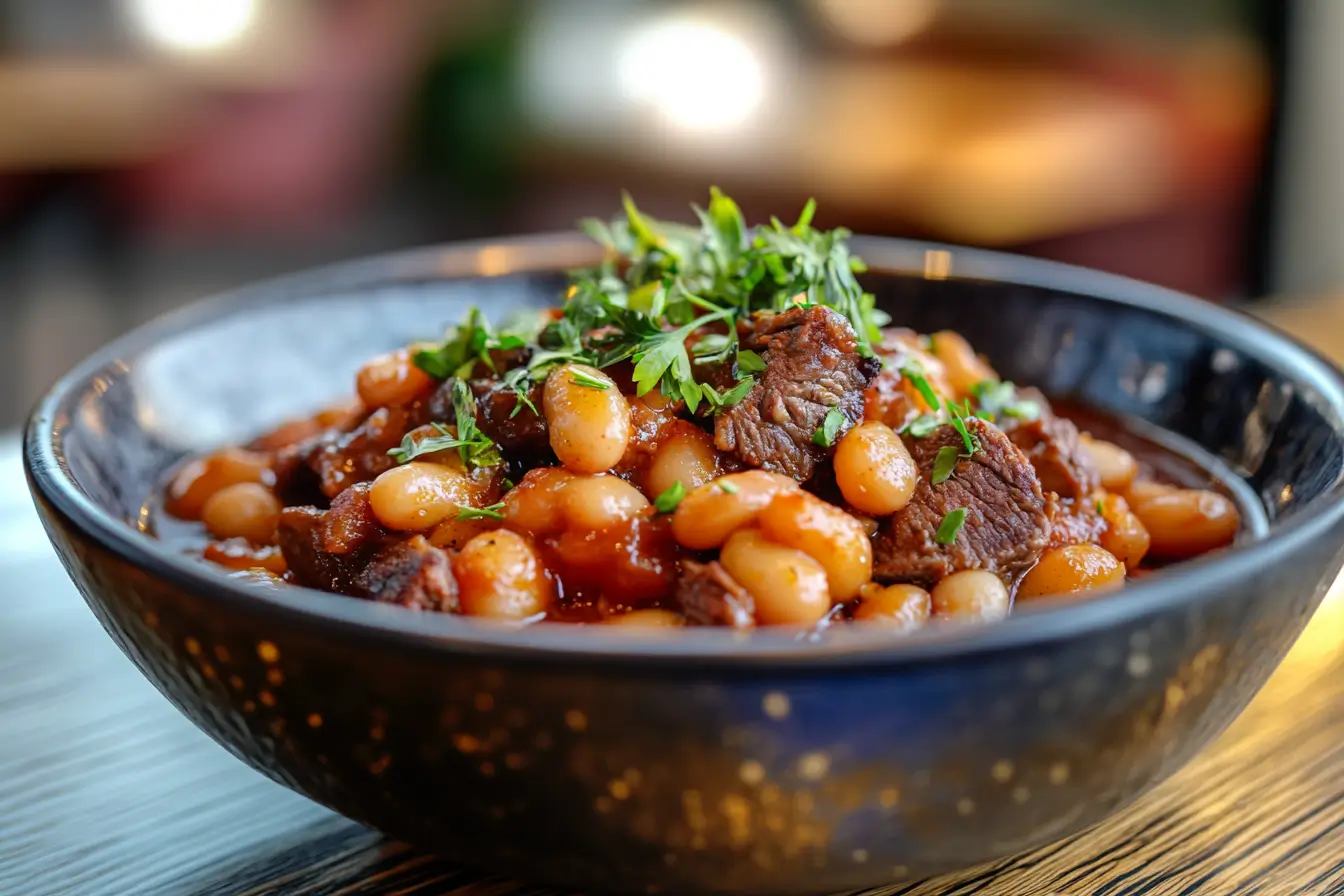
{"x": 105, "y": 789}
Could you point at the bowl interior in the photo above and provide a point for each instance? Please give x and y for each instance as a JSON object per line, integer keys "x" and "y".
{"x": 1265, "y": 409}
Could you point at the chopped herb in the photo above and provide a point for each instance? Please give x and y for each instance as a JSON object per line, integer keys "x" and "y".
{"x": 999, "y": 399}
{"x": 481, "y": 513}
{"x": 915, "y": 374}
{"x": 718, "y": 400}
{"x": 959, "y": 415}
{"x": 922, "y": 425}
{"x": 944, "y": 463}
{"x": 411, "y": 448}
{"x": 1101, "y": 507}
{"x": 474, "y": 446}
{"x": 830, "y": 428}
{"x": 727, "y": 487}
{"x": 668, "y": 500}
{"x": 749, "y": 362}
{"x": 471, "y": 342}
{"x": 950, "y": 526}
{"x": 587, "y": 380}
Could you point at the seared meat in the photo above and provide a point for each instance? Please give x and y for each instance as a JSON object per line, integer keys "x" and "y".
{"x": 336, "y": 460}
{"x": 1053, "y": 446}
{"x": 1074, "y": 522}
{"x": 812, "y": 365}
{"x": 1006, "y": 525}
{"x": 344, "y": 549}
{"x": 302, "y": 540}
{"x": 707, "y": 595}
{"x": 350, "y": 525}
{"x": 412, "y": 573}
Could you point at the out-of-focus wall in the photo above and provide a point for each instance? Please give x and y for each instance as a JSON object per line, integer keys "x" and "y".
{"x": 1309, "y": 256}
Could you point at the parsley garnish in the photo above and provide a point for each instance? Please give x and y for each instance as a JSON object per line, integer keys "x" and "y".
{"x": 915, "y": 374}
{"x": 749, "y": 362}
{"x": 587, "y": 380}
{"x": 829, "y": 429}
{"x": 995, "y": 400}
{"x": 727, "y": 487}
{"x": 922, "y": 425}
{"x": 471, "y": 342}
{"x": 944, "y": 463}
{"x": 481, "y": 513}
{"x": 959, "y": 413}
{"x": 950, "y": 526}
{"x": 662, "y": 283}
{"x": 668, "y": 500}
{"x": 473, "y": 446}
{"x": 1101, "y": 507}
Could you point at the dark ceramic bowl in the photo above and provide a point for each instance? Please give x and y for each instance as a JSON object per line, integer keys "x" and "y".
{"x": 701, "y": 761}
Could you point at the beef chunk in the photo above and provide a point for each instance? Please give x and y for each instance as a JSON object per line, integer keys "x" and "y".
{"x": 1074, "y": 522}
{"x": 350, "y": 525}
{"x": 333, "y": 461}
{"x": 707, "y": 595}
{"x": 812, "y": 365}
{"x": 413, "y": 574}
{"x": 302, "y": 541}
{"x": 1053, "y": 446}
{"x": 1006, "y": 525}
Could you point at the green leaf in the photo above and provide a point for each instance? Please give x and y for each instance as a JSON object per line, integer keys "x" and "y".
{"x": 921, "y": 426}
{"x": 476, "y": 448}
{"x": 830, "y": 428}
{"x": 944, "y": 463}
{"x": 587, "y": 380}
{"x": 411, "y": 448}
{"x": 668, "y": 500}
{"x": 481, "y": 513}
{"x": 805, "y": 216}
{"x": 1101, "y": 507}
{"x": 999, "y": 399}
{"x": 959, "y": 414}
{"x": 950, "y": 526}
{"x": 727, "y": 488}
{"x": 749, "y": 362}
{"x": 915, "y": 374}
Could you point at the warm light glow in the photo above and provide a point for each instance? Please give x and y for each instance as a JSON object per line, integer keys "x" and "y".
{"x": 194, "y": 25}
{"x": 698, "y": 75}
{"x": 877, "y": 23}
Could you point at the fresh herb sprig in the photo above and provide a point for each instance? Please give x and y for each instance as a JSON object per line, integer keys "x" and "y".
{"x": 830, "y": 428}
{"x": 663, "y": 282}
{"x": 474, "y": 447}
{"x": 950, "y": 527}
{"x": 995, "y": 400}
{"x": 492, "y": 512}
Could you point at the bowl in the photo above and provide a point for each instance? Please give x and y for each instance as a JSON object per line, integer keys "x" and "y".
{"x": 705, "y": 761}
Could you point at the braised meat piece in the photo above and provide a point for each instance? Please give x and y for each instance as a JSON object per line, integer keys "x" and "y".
{"x": 302, "y": 537}
{"x": 812, "y": 365}
{"x": 707, "y": 595}
{"x": 335, "y": 460}
{"x": 413, "y": 574}
{"x": 1006, "y": 525}
{"x": 1074, "y": 522}
{"x": 1054, "y": 447}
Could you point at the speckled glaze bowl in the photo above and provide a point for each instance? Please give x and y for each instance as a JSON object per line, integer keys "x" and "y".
{"x": 700, "y": 760}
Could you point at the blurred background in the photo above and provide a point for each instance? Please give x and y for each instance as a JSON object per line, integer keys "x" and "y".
{"x": 153, "y": 151}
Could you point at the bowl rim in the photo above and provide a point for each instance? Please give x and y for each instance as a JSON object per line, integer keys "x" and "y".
{"x": 1047, "y": 620}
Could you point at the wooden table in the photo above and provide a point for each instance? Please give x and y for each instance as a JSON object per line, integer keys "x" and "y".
{"x": 105, "y": 789}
